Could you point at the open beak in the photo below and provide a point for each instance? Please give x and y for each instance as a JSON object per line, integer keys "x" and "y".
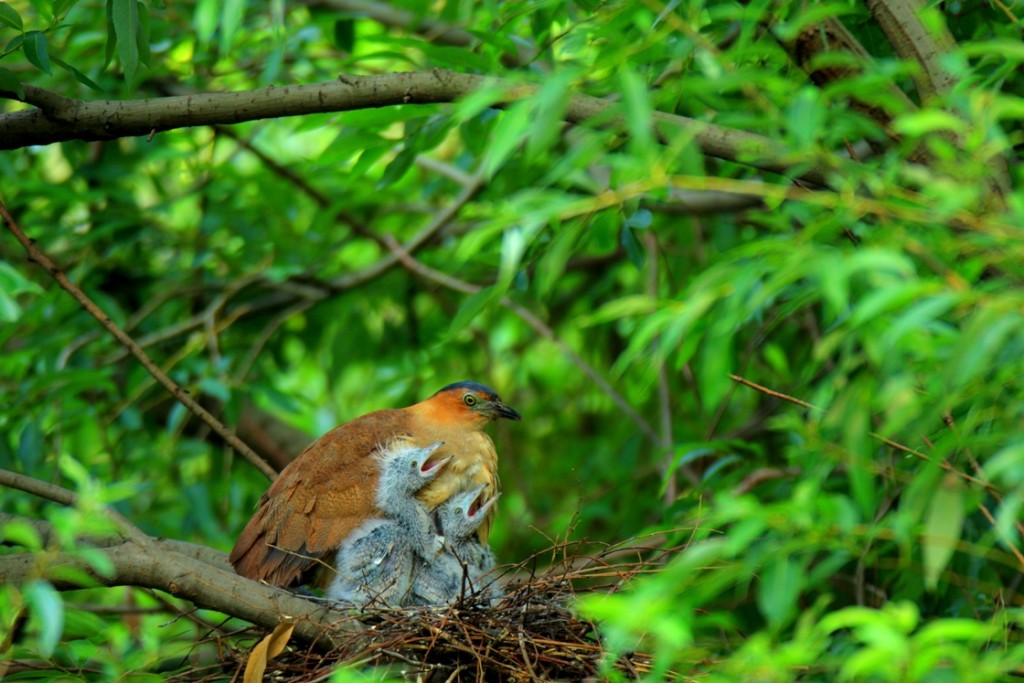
{"x": 431, "y": 465}
{"x": 476, "y": 509}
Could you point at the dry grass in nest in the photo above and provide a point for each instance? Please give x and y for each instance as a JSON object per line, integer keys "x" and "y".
{"x": 531, "y": 634}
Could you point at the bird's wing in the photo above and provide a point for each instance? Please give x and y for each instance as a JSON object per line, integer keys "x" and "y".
{"x": 317, "y": 501}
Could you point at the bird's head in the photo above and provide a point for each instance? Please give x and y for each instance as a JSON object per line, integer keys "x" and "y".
{"x": 461, "y": 514}
{"x": 468, "y": 404}
{"x": 404, "y": 470}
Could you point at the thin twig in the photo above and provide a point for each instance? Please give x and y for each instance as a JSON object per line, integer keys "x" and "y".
{"x": 59, "y": 494}
{"x": 951, "y": 425}
{"x": 37, "y": 256}
{"x": 761, "y": 475}
{"x": 770, "y": 392}
{"x": 1009, "y": 542}
{"x": 886, "y": 440}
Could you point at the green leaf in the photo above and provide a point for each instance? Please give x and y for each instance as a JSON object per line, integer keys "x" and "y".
{"x": 47, "y": 612}
{"x": 398, "y": 167}
{"x": 623, "y": 307}
{"x": 19, "y": 532}
{"x": 455, "y": 57}
{"x": 640, "y": 219}
{"x": 35, "y": 50}
{"x": 75, "y": 471}
{"x": 942, "y": 529}
{"x": 61, "y": 8}
{"x": 945, "y": 631}
{"x": 552, "y": 101}
{"x": 125, "y": 17}
{"x": 30, "y": 447}
{"x": 111, "y": 44}
{"x": 512, "y": 127}
{"x": 67, "y": 573}
{"x": 554, "y": 258}
{"x": 15, "y": 43}
{"x": 637, "y": 103}
{"x": 716, "y": 362}
{"x": 1007, "y": 519}
{"x": 469, "y": 309}
{"x": 9, "y": 308}
{"x": 514, "y": 242}
{"x": 99, "y": 560}
{"x": 781, "y": 583}
{"x": 232, "y": 13}
{"x": 13, "y": 282}
{"x": 79, "y": 76}
{"x": 989, "y": 333}
{"x": 345, "y": 34}
{"x": 10, "y": 17}
{"x": 142, "y": 35}
{"x": 176, "y": 416}
{"x": 1007, "y": 465}
{"x": 212, "y": 386}
{"x": 10, "y": 82}
{"x": 806, "y": 118}
{"x": 928, "y": 121}
{"x": 205, "y": 18}
{"x": 634, "y": 250}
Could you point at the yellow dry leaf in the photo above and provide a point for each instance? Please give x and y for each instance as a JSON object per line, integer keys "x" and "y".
{"x": 265, "y": 650}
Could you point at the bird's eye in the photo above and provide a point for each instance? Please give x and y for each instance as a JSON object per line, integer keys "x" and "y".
{"x": 469, "y": 400}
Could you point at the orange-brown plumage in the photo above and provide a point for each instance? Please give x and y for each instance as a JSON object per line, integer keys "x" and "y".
{"x": 328, "y": 491}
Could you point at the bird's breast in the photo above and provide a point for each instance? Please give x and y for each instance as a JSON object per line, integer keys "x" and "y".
{"x": 473, "y": 462}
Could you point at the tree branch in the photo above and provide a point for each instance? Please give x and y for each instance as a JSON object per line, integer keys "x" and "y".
{"x": 60, "y": 118}
{"x": 36, "y": 255}
{"x": 201, "y": 553}
{"x": 192, "y": 572}
{"x": 63, "y": 496}
{"x": 159, "y": 565}
{"x": 927, "y": 46}
{"x": 829, "y": 53}
{"x": 912, "y": 41}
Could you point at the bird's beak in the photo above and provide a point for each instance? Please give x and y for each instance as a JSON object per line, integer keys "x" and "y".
{"x": 430, "y": 465}
{"x": 499, "y": 409}
{"x": 482, "y": 510}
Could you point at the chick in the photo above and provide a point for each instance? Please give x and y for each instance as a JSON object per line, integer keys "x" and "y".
{"x": 459, "y": 571}
{"x": 375, "y": 563}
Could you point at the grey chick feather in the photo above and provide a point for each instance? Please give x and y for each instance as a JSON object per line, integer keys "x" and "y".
{"x": 460, "y": 570}
{"x": 375, "y": 562}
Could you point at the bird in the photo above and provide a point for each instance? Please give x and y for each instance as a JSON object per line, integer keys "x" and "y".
{"x": 329, "y": 490}
{"x": 375, "y": 563}
{"x": 457, "y": 572}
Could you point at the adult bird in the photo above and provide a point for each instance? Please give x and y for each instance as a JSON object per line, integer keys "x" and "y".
{"x": 327, "y": 492}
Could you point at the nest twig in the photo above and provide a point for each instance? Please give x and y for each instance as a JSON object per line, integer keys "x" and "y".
{"x": 531, "y": 634}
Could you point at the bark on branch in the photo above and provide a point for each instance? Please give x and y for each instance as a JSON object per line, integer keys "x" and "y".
{"x": 195, "y": 573}
{"x": 57, "y": 118}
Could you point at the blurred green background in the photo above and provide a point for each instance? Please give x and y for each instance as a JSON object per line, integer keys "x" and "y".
{"x": 612, "y": 280}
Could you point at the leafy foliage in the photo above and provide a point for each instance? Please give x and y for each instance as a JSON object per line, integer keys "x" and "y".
{"x": 817, "y": 384}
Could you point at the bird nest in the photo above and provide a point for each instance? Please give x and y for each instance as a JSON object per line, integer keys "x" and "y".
{"x": 530, "y": 634}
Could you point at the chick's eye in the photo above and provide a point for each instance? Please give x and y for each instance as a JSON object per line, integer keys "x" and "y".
{"x": 469, "y": 400}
